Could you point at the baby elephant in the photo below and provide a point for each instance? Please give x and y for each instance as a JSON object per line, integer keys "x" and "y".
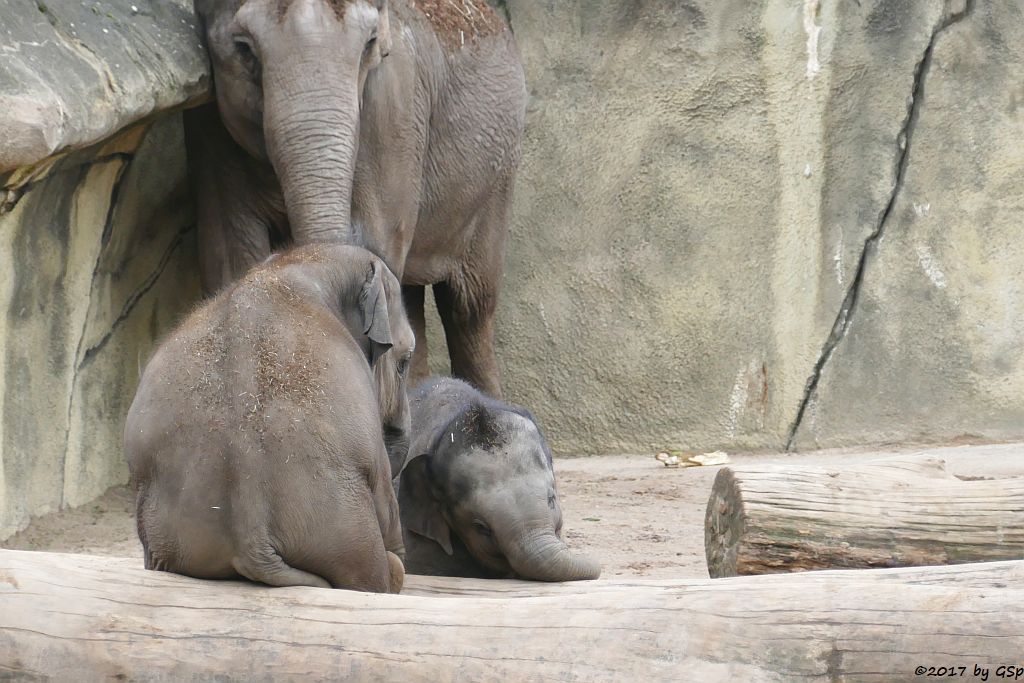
{"x": 477, "y": 497}
{"x": 258, "y": 438}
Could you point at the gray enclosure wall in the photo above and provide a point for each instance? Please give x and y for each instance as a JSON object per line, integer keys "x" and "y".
{"x": 767, "y": 224}
{"x": 97, "y": 245}
{"x": 738, "y": 225}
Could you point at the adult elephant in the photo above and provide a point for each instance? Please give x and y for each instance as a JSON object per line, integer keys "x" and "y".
{"x": 390, "y": 124}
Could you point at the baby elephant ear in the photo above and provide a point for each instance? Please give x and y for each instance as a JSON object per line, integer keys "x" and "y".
{"x": 421, "y": 511}
{"x": 373, "y": 304}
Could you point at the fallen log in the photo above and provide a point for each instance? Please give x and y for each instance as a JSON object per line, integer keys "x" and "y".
{"x": 899, "y": 513}
{"x": 75, "y": 617}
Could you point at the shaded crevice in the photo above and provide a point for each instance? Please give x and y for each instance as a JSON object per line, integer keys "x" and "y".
{"x": 108, "y": 220}
{"x": 11, "y": 194}
{"x": 903, "y": 140}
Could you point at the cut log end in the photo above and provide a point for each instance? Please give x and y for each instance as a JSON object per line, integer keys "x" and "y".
{"x": 900, "y": 513}
{"x": 723, "y": 525}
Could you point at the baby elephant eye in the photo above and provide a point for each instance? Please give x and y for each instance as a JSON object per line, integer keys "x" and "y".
{"x": 482, "y": 529}
{"x": 551, "y": 501}
{"x": 403, "y": 366}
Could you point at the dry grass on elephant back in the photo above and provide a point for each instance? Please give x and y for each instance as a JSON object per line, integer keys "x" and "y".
{"x": 459, "y": 22}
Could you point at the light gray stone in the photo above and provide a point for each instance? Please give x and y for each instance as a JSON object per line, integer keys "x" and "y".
{"x": 699, "y": 183}
{"x": 98, "y": 260}
{"x": 73, "y": 72}
{"x": 97, "y": 244}
{"x": 933, "y": 347}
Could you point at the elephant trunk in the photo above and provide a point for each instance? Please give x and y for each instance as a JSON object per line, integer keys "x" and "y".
{"x": 311, "y": 125}
{"x": 544, "y": 556}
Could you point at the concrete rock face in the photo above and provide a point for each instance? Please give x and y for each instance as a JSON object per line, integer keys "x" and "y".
{"x": 73, "y": 72}
{"x": 97, "y": 238}
{"x": 933, "y": 347}
{"x": 99, "y": 259}
{"x": 768, "y": 224}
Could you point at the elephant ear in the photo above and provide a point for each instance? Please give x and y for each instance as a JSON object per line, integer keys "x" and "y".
{"x": 421, "y": 510}
{"x": 373, "y": 305}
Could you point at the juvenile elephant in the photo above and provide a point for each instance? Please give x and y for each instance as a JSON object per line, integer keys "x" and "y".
{"x": 391, "y": 124}
{"x": 477, "y": 497}
{"x": 258, "y": 440}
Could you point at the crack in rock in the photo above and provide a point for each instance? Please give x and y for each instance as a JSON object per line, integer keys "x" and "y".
{"x": 81, "y": 359}
{"x": 121, "y": 173}
{"x": 134, "y": 299}
{"x": 903, "y": 139}
{"x": 87, "y": 54}
{"x": 84, "y": 359}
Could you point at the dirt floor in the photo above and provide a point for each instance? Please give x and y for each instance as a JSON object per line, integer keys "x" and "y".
{"x": 637, "y": 516}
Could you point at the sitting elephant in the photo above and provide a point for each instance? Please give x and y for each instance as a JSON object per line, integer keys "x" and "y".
{"x": 477, "y": 497}
{"x": 258, "y": 440}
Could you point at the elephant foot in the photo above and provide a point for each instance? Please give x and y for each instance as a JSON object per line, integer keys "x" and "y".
{"x": 397, "y": 570}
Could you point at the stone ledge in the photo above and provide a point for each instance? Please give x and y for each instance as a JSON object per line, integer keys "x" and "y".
{"x": 74, "y": 72}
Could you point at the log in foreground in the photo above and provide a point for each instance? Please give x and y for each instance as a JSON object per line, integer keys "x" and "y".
{"x": 897, "y": 513}
{"x": 75, "y": 617}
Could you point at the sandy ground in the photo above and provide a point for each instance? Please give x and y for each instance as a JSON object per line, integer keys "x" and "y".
{"x": 637, "y": 516}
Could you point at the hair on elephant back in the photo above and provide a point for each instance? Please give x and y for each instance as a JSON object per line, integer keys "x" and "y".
{"x": 261, "y": 437}
{"x": 477, "y": 495}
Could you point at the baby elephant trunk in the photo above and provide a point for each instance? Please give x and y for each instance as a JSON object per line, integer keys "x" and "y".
{"x": 545, "y": 557}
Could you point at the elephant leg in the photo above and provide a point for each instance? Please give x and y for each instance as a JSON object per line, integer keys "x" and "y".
{"x": 413, "y": 297}
{"x": 397, "y": 573}
{"x": 268, "y": 567}
{"x": 467, "y": 301}
{"x": 349, "y": 555}
{"x": 385, "y": 507}
{"x": 238, "y": 204}
{"x": 468, "y": 319}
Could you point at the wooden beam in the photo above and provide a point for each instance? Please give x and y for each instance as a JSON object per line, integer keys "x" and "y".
{"x": 76, "y": 617}
{"x": 899, "y": 513}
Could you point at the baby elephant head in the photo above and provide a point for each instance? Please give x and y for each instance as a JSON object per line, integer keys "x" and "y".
{"x": 363, "y": 293}
{"x": 488, "y": 479}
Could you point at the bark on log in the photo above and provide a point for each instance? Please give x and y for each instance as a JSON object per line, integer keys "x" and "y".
{"x": 899, "y": 513}
{"x": 75, "y": 617}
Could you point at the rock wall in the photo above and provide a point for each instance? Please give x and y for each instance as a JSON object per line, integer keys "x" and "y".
{"x": 768, "y": 224}
{"x": 97, "y": 239}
